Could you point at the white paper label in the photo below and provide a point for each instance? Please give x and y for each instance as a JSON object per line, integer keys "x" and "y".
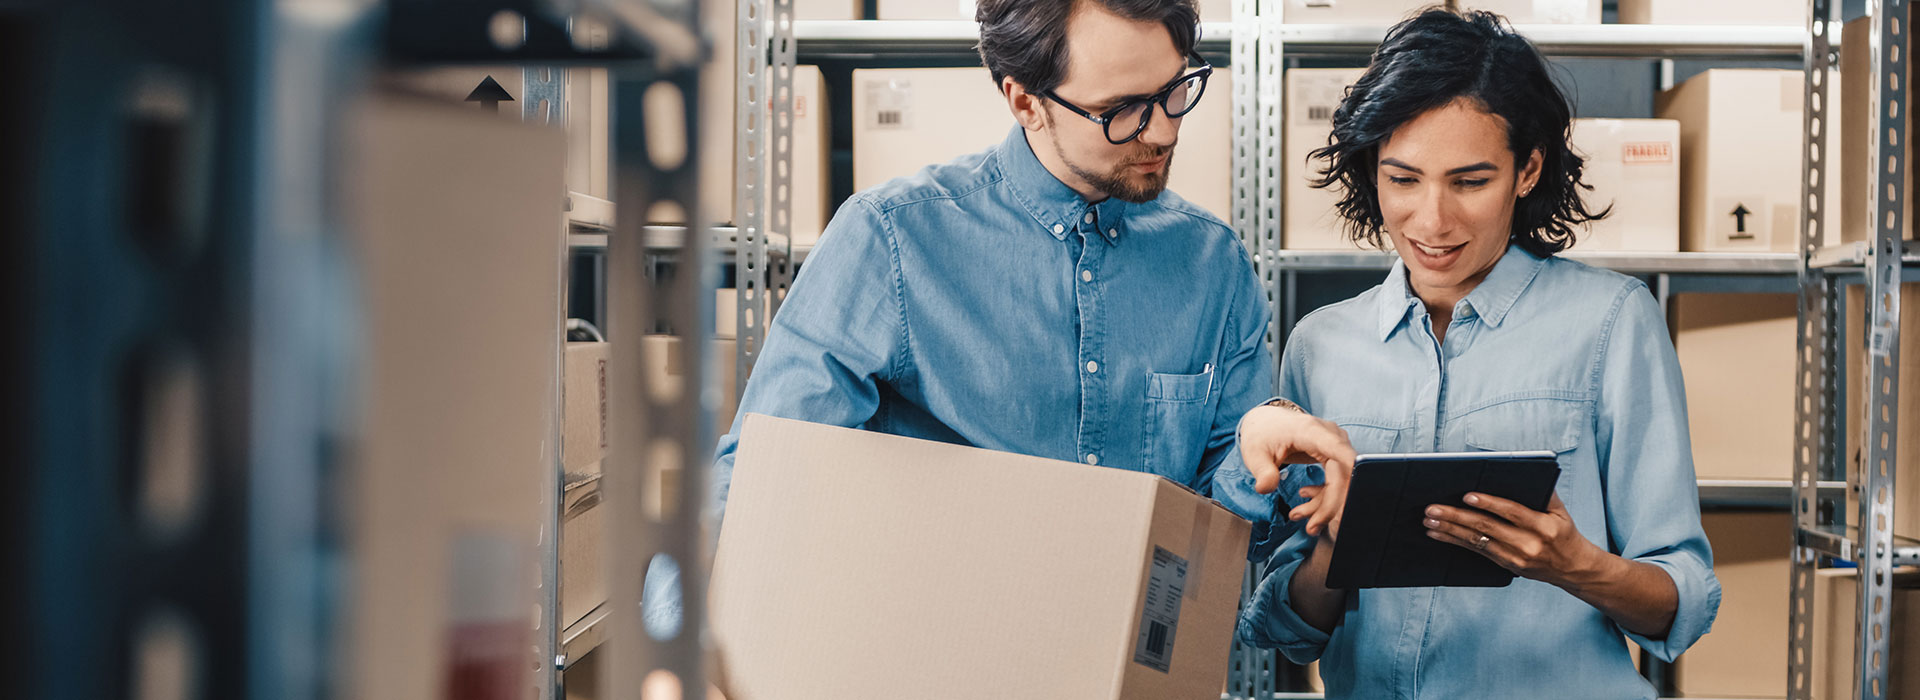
{"x": 1160, "y": 610}
{"x": 889, "y": 104}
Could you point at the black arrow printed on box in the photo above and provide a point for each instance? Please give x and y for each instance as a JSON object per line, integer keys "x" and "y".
{"x": 1740, "y": 213}
{"x": 489, "y": 94}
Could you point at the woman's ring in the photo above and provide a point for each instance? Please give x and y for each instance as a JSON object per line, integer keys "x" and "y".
{"x": 1482, "y": 542}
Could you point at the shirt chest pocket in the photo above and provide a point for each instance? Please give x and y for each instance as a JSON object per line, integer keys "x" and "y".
{"x": 1372, "y": 436}
{"x": 1525, "y": 424}
{"x": 1178, "y": 423}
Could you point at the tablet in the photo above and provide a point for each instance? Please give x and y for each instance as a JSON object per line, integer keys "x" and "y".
{"x": 1383, "y": 539}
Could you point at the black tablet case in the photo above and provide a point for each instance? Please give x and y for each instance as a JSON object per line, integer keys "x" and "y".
{"x": 1383, "y": 541}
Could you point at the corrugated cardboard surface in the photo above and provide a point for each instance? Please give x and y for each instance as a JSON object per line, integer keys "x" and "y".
{"x": 1906, "y": 516}
{"x": 1538, "y": 11}
{"x": 1742, "y": 656}
{"x": 1835, "y": 620}
{"x": 584, "y": 442}
{"x": 1791, "y": 13}
{"x": 583, "y": 574}
{"x": 938, "y": 114}
{"x": 1740, "y": 136}
{"x": 1634, "y": 167}
{"x": 861, "y": 565}
{"x": 1856, "y": 135}
{"x": 455, "y": 226}
{"x": 1312, "y": 96}
{"x": 1210, "y": 10}
{"x": 1378, "y": 12}
{"x": 1737, "y": 358}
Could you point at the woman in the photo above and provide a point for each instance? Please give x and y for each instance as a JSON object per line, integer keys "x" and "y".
{"x": 1454, "y": 146}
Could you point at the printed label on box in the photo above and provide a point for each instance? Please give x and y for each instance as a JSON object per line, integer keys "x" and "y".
{"x": 890, "y": 104}
{"x": 1160, "y": 610}
{"x": 1646, "y": 152}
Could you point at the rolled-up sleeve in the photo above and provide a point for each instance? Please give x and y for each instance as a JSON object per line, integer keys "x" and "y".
{"x": 1653, "y": 504}
{"x": 1269, "y": 620}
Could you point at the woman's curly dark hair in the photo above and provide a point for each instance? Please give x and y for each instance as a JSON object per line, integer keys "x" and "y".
{"x": 1428, "y": 62}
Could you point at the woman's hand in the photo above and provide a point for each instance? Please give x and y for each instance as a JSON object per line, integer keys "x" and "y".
{"x": 1540, "y": 546}
{"x": 1272, "y": 437}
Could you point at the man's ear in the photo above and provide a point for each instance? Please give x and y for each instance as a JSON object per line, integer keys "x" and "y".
{"x": 1028, "y": 109}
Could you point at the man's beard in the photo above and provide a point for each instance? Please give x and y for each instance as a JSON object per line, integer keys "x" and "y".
{"x": 1120, "y": 183}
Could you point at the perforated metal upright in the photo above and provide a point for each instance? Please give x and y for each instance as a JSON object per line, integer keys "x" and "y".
{"x": 665, "y": 422}
{"x": 1869, "y": 541}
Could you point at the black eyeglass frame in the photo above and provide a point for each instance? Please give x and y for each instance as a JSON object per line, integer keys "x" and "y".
{"x": 1105, "y": 119}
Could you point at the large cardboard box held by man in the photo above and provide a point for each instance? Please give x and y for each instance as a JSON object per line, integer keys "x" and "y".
{"x": 861, "y": 565}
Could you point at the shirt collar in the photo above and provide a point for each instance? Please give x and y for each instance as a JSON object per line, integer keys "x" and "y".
{"x": 1056, "y": 207}
{"x": 1492, "y": 299}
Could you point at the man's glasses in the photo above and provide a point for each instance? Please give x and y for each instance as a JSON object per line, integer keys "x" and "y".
{"x": 1125, "y": 122}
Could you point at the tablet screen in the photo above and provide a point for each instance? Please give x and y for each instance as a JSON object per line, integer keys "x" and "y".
{"x": 1383, "y": 539}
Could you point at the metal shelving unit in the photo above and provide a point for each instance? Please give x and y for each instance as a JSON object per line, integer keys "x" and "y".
{"x": 1823, "y": 527}
{"x": 1259, "y": 44}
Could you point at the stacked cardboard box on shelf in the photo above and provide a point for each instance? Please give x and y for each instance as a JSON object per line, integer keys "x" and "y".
{"x": 1835, "y": 621}
{"x": 908, "y": 118}
{"x": 1310, "y": 220}
{"x": 1740, "y": 657}
{"x": 1857, "y": 125}
{"x": 1210, "y": 10}
{"x": 1906, "y": 515}
{"x": 1790, "y": 13}
{"x": 1737, "y": 359}
{"x": 458, "y": 391}
{"x": 1740, "y": 140}
{"x": 834, "y": 565}
{"x": 1634, "y": 168}
{"x": 1537, "y": 11}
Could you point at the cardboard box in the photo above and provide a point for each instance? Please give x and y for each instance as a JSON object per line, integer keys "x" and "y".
{"x": 1741, "y": 656}
{"x": 1537, "y": 11}
{"x": 1856, "y": 135}
{"x": 665, "y": 364}
{"x": 457, "y": 393}
{"x": 584, "y": 439}
{"x": 810, "y": 178}
{"x": 1791, "y": 13}
{"x": 1740, "y": 138}
{"x": 1311, "y": 223}
{"x": 1375, "y": 12}
{"x": 1634, "y": 167}
{"x": 906, "y": 119}
{"x": 589, "y": 132}
{"x": 1835, "y": 619}
{"x": 1737, "y": 357}
{"x": 1906, "y": 516}
{"x": 1210, "y": 10}
{"x": 583, "y": 573}
{"x": 845, "y": 550}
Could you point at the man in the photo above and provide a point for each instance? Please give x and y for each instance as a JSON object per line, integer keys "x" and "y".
{"x": 1049, "y": 296}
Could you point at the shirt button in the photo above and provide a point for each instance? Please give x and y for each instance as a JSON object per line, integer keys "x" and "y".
{"x": 1086, "y": 275}
{"x": 1113, "y": 233}
{"x": 1092, "y": 367}
{"x": 1058, "y": 228}
{"x": 1093, "y": 459}
{"x": 1088, "y": 218}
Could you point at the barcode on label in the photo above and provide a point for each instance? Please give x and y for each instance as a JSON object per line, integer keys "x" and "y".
{"x": 1156, "y": 639}
{"x": 889, "y": 118}
{"x": 1320, "y": 113}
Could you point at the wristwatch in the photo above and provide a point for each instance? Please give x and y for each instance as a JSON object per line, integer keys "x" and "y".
{"x": 1283, "y": 403}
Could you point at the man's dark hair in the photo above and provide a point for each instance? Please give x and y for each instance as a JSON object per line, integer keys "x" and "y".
{"x": 1428, "y": 62}
{"x": 1027, "y": 39}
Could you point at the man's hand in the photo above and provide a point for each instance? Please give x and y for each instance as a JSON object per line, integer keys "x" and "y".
{"x": 1274, "y": 436}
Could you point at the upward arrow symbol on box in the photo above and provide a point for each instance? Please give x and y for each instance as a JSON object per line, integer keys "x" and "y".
{"x": 489, "y": 94}
{"x": 1740, "y": 213}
